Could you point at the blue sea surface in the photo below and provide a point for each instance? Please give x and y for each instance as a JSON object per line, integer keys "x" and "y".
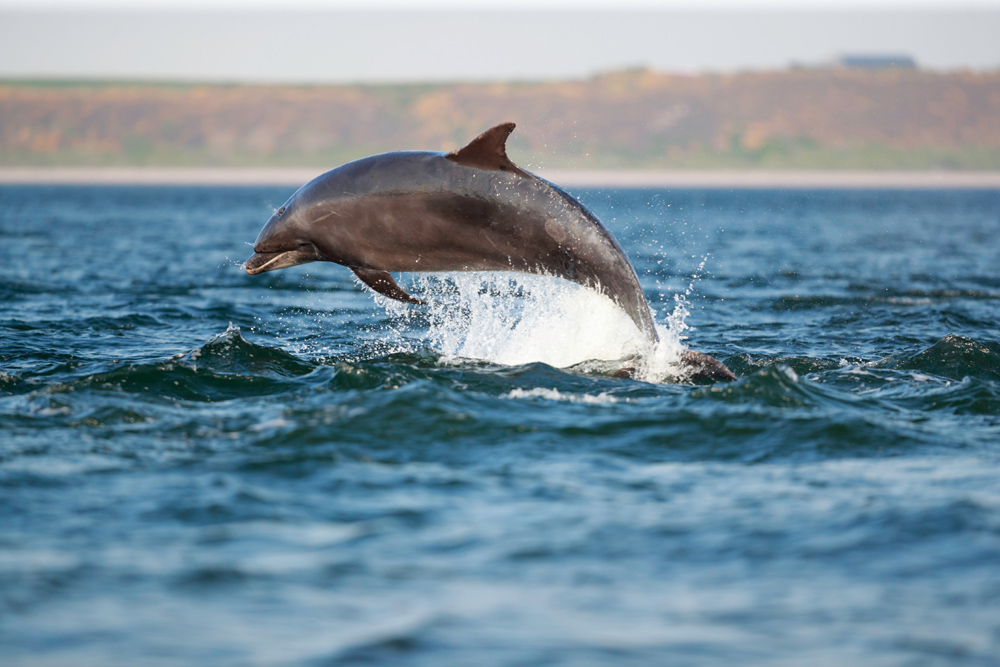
{"x": 198, "y": 466}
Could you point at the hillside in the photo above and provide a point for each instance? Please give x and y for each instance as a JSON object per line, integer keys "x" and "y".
{"x": 830, "y": 119}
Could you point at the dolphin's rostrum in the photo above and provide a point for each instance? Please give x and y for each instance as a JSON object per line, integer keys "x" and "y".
{"x": 468, "y": 210}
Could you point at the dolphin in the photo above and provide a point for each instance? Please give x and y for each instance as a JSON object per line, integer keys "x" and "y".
{"x": 468, "y": 210}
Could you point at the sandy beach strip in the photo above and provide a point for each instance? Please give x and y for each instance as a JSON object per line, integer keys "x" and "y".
{"x": 616, "y": 179}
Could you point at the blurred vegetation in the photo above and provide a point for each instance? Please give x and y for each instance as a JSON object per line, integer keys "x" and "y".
{"x": 635, "y": 119}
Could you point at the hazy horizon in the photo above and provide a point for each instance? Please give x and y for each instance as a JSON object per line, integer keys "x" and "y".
{"x": 415, "y": 45}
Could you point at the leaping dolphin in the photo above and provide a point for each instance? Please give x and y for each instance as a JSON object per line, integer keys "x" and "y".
{"x": 468, "y": 210}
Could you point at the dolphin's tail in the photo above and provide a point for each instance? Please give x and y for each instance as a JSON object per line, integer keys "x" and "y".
{"x": 704, "y": 367}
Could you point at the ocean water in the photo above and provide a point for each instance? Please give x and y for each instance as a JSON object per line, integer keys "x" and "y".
{"x": 203, "y": 467}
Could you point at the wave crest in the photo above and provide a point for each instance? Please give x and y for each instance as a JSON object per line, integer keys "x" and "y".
{"x": 952, "y": 357}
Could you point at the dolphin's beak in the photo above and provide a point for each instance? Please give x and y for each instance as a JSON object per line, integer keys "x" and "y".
{"x": 260, "y": 262}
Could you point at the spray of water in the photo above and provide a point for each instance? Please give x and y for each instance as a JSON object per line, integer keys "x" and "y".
{"x": 663, "y": 364}
{"x": 512, "y": 319}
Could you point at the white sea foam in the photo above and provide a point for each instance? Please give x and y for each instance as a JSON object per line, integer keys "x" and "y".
{"x": 512, "y": 319}
{"x": 53, "y": 411}
{"x": 269, "y": 424}
{"x": 556, "y": 395}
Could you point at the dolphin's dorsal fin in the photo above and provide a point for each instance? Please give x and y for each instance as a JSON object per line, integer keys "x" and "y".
{"x": 382, "y": 282}
{"x": 487, "y": 151}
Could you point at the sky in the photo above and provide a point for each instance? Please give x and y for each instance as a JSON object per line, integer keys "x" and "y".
{"x": 496, "y": 4}
{"x": 388, "y": 41}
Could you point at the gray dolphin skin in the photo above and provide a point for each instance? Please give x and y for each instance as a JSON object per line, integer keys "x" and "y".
{"x": 468, "y": 210}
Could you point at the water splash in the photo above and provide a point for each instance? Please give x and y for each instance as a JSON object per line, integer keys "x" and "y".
{"x": 524, "y": 319}
{"x": 664, "y": 363}
{"x": 513, "y": 319}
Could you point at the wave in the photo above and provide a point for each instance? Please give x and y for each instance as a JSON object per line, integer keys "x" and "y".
{"x": 744, "y": 365}
{"x": 885, "y": 296}
{"x": 954, "y": 357}
{"x": 227, "y": 366}
{"x": 423, "y": 391}
{"x": 288, "y": 413}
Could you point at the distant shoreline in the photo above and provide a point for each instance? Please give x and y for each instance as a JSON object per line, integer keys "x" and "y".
{"x": 720, "y": 179}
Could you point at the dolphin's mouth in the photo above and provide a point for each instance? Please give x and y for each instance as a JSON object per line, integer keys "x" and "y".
{"x": 261, "y": 262}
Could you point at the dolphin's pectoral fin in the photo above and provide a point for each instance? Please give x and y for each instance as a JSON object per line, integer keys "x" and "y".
{"x": 487, "y": 151}
{"x": 382, "y": 282}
